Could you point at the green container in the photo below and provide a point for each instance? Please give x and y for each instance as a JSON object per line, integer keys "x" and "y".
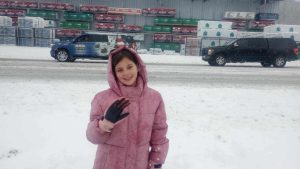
{"x": 148, "y": 28}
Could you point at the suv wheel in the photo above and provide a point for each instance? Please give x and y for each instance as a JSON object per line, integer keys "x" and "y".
{"x": 62, "y": 55}
{"x": 279, "y": 61}
{"x": 211, "y": 63}
{"x": 220, "y": 60}
{"x": 266, "y": 64}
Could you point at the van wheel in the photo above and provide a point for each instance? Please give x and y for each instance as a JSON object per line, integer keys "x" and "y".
{"x": 220, "y": 60}
{"x": 279, "y": 61}
{"x": 62, "y": 55}
{"x": 71, "y": 59}
{"x": 266, "y": 64}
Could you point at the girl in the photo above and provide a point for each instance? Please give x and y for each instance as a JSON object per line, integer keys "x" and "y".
{"x": 135, "y": 139}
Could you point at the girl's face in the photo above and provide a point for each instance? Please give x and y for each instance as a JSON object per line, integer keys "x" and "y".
{"x": 126, "y": 72}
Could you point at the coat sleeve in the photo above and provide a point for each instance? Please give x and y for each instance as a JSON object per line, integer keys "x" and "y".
{"x": 93, "y": 133}
{"x": 159, "y": 142}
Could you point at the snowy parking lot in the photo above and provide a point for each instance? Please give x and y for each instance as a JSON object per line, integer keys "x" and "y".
{"x": 211, "y": 126}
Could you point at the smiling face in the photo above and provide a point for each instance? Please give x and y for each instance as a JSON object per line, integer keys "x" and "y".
{"x": 126, "y": 72}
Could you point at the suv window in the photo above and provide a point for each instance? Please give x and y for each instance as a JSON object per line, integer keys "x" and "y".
{"x": 99, "y": 38}
{"x": 278, "y": 43}
{"x": 257, "y": 43}
{"x": 292, "y": 43}
{"x": 242, "y": 43}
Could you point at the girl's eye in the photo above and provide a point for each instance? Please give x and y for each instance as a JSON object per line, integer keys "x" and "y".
{"x": 119, "y": 70}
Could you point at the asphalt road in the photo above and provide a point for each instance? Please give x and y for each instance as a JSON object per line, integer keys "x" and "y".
{"x": 248, "y": 75}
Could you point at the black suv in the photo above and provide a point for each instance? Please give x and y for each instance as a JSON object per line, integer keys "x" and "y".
{"x": 267, "y": 51}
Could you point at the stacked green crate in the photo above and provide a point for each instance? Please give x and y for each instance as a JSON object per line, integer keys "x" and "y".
{"x": 158, "y": 29}
{"x": 175, "y": 21}
{"x": 77, "y": 16}
{"x": 74, "y": 25}
{"x": 161, "y": 27}
{"x": 190, "y": 22}
{"x": 46, "y": 14}
{"x": 161, "y": 21}
{"x": 167, "y": 46}
{"x": 148, "y": 28}
{"x": 166, "y": 29}
{"x": 167, "y": 21}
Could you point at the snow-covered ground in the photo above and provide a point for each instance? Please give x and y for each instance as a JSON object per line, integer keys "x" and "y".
{"x": 43, "y": 123}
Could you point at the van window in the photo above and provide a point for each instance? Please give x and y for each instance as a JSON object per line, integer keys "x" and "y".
{"x": 100, "y": 38}
{"x": 84, "y": 38}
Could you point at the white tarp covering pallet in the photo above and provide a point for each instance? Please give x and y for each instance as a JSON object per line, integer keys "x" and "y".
{"x": 281, "y": 28}
{"x": 25, "y": 32}
{"x": 5, "y": 21}
{"x": 49, "y": 24}
{"x": 205, "y": 24}
{"x": 31, "y": 22}
{"x": 292, "y": 35}
{"x": 244, "y": 34}
{"x": 7, "y": 31}
{"x": 211, "y": 42}
{"x": 44, "y": 33}
{"x": 25, "y": 41}
{"x": 5, "y": 40}
{"x": 40, "y": 42}
{"x": 217, "y": 33}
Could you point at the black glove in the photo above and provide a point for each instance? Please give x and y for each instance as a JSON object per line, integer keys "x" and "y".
{"x": 157, "y": 165}
{"x": 114, "y": 112}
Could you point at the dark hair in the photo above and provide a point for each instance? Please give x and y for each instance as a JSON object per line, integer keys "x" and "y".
{"x": 121, "y": 55}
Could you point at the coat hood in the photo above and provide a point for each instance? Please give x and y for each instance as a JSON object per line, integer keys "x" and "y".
{"x": 142, "y": 73}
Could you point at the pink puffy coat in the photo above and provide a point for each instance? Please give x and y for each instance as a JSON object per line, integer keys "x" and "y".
{"x": 141, "y": 136}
